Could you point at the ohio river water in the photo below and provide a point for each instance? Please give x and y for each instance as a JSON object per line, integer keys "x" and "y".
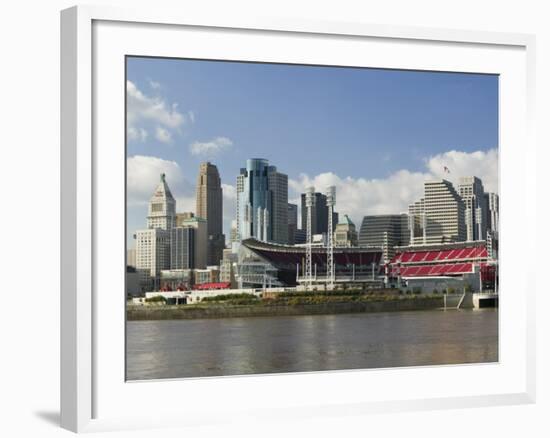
{"x": 216, "y": 347}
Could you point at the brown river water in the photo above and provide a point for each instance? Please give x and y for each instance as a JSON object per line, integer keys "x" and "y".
{"x": 259, "y": 345}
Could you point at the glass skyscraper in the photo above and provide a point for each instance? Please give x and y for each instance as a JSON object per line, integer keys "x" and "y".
{"x": 262, "y": 202}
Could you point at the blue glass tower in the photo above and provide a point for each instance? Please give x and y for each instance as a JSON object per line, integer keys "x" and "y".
{"x": 262, "y": 202}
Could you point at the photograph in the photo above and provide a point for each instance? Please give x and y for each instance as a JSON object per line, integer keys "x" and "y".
{"x": 286, "y": 218}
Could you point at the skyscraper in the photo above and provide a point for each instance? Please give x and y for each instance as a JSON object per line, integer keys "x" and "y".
{"x": 233, "y": 235}
{"x": 200, "y": 236}
{"x": 491, "y": 210}
{"x": 441, "y": 213}
{"x": 471, "y": 191}
{"x": 152, "y": 255}
{"x": 385, "y": 231}
{"x": 162, "y": 207}
{"x": 278, "y": 185}
{"x": 153, "y": 243}
{"x": 292, "y": 223}
{"x": 209, "y": 206}
{"x": 262, "y": 202}
{"x": 319, "y": 214}
{"x": 491, "y": 220}
{"x": 182, "y": 248}
{"x": 416, "y": 221}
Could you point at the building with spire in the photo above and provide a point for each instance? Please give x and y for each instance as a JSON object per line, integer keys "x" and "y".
{"x": 153, "y": 243}
{"x": 209, "y": 206}
{"x": 162, "y": 207}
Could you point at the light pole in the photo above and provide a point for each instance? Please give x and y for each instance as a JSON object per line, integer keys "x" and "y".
{"x": 331, "y": 202}
{"x": 310, "y": 202}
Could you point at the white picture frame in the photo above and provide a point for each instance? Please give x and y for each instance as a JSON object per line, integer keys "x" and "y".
{"x": 93, "y": 397}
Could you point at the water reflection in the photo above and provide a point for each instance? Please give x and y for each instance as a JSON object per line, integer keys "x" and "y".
{"x": 214, "y": 347}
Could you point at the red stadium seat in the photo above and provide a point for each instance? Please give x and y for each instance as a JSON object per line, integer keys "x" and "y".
{"x": 438, "y": 262}
{"x": 431, "y": 256}
{"x": 423, "y": 271}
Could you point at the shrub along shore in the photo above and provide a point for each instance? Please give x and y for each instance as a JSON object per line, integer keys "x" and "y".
{"x": 285, "y": 304}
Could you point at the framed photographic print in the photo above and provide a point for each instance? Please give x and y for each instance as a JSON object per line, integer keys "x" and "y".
{"x": 265, "y": 217}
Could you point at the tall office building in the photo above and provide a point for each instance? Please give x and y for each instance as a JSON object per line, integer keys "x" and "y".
{"x": 385, "y": 231}
{"x": 300, "y": 236}
{"x": 162, "y": 207}
{"x": 152, "y": 255}
{"x": 278, "y": 184}
{"x": 131, "y": 257}
{"x": 471, "y": 191}
{"x": 416, "y": 221}
{"x": 234, "y": 235}
{"x": 262, "y": 202}
{"x": 209, "y": 206}
{"x": 200, "y": 236}
{"x": 153, "y": 243}
{"x": 440, "y": 214}
{"x": 491, "y": 210}
{"x": 319, "y": 215}
{"x": 292, "y": 223}
{"x": 182, "y": 248}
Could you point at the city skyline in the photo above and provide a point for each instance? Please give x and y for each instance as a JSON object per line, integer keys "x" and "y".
{"x": 363, "y": 211}
{"x": 445, "y": 192}
{"x": 391, "y": 176}
{"x": 172, "y": 129}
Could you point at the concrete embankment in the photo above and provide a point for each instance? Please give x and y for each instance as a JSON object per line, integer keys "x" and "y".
{"x": 140, "y": 313}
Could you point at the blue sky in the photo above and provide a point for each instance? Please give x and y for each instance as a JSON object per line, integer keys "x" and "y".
{"x": 361, "y": 128}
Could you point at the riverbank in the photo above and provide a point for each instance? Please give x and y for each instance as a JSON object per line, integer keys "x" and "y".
{"x": 218, "y": 310}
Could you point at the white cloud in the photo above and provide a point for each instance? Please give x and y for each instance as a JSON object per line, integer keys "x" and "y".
{"x": 154, "y": 84}
{"x": 163, "y": 135}
{"x": 186, "y": 203}
{"x": 141, "y": 108}
{"x": 137, "y": 134}
{"x": 211, "y": 148}
{"x": 354, "y": 196}
{"x": 229, "y": 192}
{"x": 229, "y": 206}
{"x": 361, "y": 196}
{"x": 481, "y": 164}
{"x": 143, "y": 176}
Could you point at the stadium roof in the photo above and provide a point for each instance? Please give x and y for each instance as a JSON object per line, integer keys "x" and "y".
{"x": 290, "y": 255}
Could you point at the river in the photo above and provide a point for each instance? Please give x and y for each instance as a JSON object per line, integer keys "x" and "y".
{"x": 258, "y": 345}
